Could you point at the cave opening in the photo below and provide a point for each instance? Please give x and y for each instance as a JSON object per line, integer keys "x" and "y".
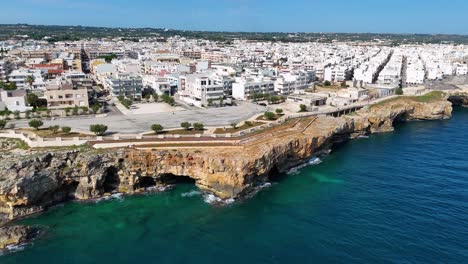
{"x": 111, "y": 180}
{"x": 275, "y": 175}
{"x": 401, "y": 118}
{"x": 175, "y": 179}
{"x": 145, "y": 182}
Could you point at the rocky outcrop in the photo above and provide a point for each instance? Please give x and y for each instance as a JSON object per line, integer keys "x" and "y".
{"x": 31, "y": 182}
{"x": 16, "y": 235}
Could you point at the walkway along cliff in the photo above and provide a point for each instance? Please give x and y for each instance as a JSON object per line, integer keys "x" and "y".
{"x": 33, "y": 181}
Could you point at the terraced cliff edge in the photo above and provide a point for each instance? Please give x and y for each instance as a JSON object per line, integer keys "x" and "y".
{"x": 31, "y": 181}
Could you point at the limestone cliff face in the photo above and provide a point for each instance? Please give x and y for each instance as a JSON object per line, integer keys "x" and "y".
{"x": 32, "y": 182}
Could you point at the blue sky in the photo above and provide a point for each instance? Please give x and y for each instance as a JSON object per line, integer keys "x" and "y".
{"x": 392, "y": 16}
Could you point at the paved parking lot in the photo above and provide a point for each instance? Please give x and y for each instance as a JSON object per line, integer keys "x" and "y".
{"x": 119, "y": 123}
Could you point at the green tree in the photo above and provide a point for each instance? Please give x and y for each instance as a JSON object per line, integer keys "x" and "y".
{"x": 66, "y": 129}
{"x": 32, "y": 99}
{"x": 186, "y": 125}
{"x": 399, "y": 91}
{"x": 9, "y": 86}
{"x": 302, "y": 108}
{"x": 98, "y": 129}
{"x": 35, "y": 123}
{"x": 327, "y": 83}
{"x": 75, "y": 110}
{"x": 3, "y": 124}
{"x": 95, "y": 108}
{"x": 269, "y": 115}
{"x": 157, "y": 128}
{"x": 30, "y": 81}
{"x": 198, "y": 126}
{"x": 279, "y": 111}
{"x": 54, "y": 129}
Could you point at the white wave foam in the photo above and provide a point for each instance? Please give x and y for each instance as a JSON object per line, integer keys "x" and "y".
{"x": 214, "y": 200}
{"x": 191, "y": 194}
{"x": 115, "y": 196}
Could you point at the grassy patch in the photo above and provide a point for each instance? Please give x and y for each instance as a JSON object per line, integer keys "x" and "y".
{"x": 263, "y": 118}
{"x": 47, "y": 133}
{"x": 231, "y": 130}
{"x": 429, "y": 97}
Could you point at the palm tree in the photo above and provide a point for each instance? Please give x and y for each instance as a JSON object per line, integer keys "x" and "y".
{"x": 30, "y": 81}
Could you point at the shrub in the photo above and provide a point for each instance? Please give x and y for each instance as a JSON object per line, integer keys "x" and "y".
{"x": 67, "y": 111}
{"x": 98, "y": 129}
{"x": 399, "y": 91}
{"x": 186, "y": 125}
{"x": 279, "y": 111}
{"x": 157, "y": 128}
{"x": 28, "y": 114}
{"x": 302, "y": 108}
{"x": 3, "y": 124}
{"x": 35, "y": 123}
{"x": 234, "y": 125}
{"x": 17, "y": 114}
{"x": 155, "y": 97}
{"x": 96, "y": 108}
{"x": 269, "y": 115}
{"x": 66, "y": 129}
{"x": 198, "y": 126}
{"x": 54, "y": 129}
{"x": 249, "y": 123}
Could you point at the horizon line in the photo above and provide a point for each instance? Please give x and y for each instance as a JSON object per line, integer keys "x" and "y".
{"x": 227, "y": 31}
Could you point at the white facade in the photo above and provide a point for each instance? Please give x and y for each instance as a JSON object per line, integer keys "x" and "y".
{"x": 200, "y": 89}
{"x": 245, "y": 88}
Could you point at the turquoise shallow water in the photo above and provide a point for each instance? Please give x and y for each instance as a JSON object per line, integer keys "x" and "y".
{"x": 394, "y": 198}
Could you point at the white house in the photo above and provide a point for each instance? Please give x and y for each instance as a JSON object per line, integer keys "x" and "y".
{"x": 14, "y": 100}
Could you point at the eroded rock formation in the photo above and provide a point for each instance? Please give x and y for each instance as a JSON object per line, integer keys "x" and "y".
{"x": 15, "y": 235}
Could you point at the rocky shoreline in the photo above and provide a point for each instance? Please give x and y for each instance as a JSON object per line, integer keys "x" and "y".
{"x": 33, "y": 181}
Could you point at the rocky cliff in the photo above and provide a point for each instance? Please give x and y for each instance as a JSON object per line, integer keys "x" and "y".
{"x": 32, "y": 181}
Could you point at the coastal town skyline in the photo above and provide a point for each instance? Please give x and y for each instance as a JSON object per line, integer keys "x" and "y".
{"x": 336, "y": 16}
{"x": 233, "y": 131}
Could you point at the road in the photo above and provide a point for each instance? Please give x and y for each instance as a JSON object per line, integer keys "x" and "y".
{"x": 119, "y": 123}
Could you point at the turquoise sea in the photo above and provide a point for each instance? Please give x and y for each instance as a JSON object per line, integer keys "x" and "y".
{"x": 393, "y": 198}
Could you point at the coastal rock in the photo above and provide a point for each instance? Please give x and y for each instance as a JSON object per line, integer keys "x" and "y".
{"x": 16, "y": 235}
{"x": 31, "y": 183}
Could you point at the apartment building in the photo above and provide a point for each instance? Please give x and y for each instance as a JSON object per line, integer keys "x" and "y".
{"x": 245, "y": 87}
{"x": 160, "y": 85}
{"x": 6, "y": 67}
{"x": 200, "y": 89}
{"x": 124, "y": 85}
{"x": 64, "y": 95}
{"x": 289, "y": 83}
{"x": 22, "y": 78}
